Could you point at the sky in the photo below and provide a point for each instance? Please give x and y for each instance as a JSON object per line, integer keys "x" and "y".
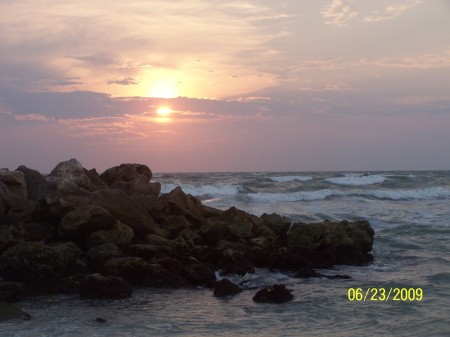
{"x": 202, "y": 86}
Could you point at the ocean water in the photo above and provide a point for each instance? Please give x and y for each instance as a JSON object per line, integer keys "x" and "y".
{"x": 409, "y": 211}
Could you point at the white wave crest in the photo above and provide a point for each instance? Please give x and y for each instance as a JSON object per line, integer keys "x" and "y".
{"x": 356, "y": 179}
{"x": 212, "y": 190}
{"x": 282, "y": 179}
{"x": 430, "y": 193}
{"x": 293, "y": 196}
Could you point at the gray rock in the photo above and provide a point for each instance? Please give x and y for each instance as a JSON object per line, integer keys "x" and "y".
{"x": 126, "y": 172}
{"x": 38, "y": 264}
{"x": 128, "y": 211}
{"x": 15, "y": 182}
{"x": 84, "y": 220}
{"x": 71, "y": 171}
{"x": 35, "y": 181}
{"x": 328, "y": 243}
{"x": 98, "y": 286}
{"x": 97, "y": 255}
{"x": 129, "y": 268}
{"x": 120, "y": 234}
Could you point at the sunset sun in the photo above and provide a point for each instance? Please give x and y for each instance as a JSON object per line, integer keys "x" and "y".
{"x": 163, "y": 111}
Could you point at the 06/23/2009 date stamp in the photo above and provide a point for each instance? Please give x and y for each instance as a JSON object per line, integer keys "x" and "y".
{"x": 384, "y": 294}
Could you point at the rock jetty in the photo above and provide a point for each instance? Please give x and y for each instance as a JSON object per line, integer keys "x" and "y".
{"x": 99, "y": 235}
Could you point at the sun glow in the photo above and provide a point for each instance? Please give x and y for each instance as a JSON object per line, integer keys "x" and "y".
{"x": 164, "y": 111}
{"x": 162, "y": 114}
{"x": 164, "y": 89}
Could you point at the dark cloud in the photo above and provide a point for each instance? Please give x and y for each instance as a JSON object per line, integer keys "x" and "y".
{"x": 125, "y": 81}
{"x": 96, "y": 59}
{"x": 68, "y": 81}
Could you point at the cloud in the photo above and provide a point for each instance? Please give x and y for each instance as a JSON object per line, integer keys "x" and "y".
{"x": 68, "y": 81}
{"x": 33, "y": 117}
{"x": 393, "y": 11}
{"x": 436, "y": 60}
{"x": 125, "y": 81}
{"x": 338, "y": 13}
{"x": 124, "y": 48}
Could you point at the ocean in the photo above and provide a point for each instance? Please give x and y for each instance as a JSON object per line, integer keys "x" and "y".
{"x": 404, "y": 292}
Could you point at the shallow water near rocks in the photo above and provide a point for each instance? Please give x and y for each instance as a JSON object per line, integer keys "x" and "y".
{"x": 409, "y": 211}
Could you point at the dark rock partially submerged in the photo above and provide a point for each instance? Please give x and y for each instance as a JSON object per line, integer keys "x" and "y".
{"x": 276, "y": 293}
{"x": 10, "y": 311}
{"x": 76, "y": 230}
{"x": 105, "y": 287}
{"x": 225, "y": 287}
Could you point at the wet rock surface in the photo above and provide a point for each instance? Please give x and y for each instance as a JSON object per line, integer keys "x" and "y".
{"x": 277, "y": 293}
{"x": 225, "y": 287}
{"x": 99, "y": 235}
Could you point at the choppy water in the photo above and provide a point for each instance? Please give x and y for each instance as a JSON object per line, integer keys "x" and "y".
{"x": 410, "y": 212}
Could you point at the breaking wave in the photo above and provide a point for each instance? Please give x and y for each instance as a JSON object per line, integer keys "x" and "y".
{"x": 431, "y": 193}
{"x": 282, "y": 179}
{"x": 357, "y": 179}
{"x": 209, "y": 190}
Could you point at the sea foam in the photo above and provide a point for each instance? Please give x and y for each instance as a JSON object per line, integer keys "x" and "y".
{"x": 354, "y": 179}
{"x": 282, "y": 179}
{"x": 293, "y": 196}
{"x": 211, "y": 190}
{"x": 430, "y": 193}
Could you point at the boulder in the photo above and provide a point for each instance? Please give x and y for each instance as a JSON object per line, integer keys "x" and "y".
{"x": 212, "y": 231}
{"x": 148, "y": 251}
{"x": 199, "y": 274}
{"x": 39, "y": 265}
{"x": 235, "y": 262}
{"x": 15, "y": 182}
{"x": 210, "y": 212}
{"x": 239, "y": 224}
{"x": 190, "y": 237}
{"x": 327, "y": 243}
{"x": 138, "y": 186}
{"x": 131, "y": 179}
{"x": 67, "y": 188}
{"x": 276, "y": 293}
{"x": 128, "y": 211}
{"x": 98, "y": 286}
{"x": 10, "y": 311}
{"x": 179, "y": 203}
{"x": 13, "y": 208}
{"x": 126, "y": 172}
{"x": 277, "y": 223}
{"x": 98, "y": 255}
{"x": 160, "y": 277}
{"x": 35, "y": 181}
{"x": 10, "y": 235}
{"x": 95, "y": 179}
{"x": 71, "y": 171}
{"x": 157, "y": 240}
{"x": 152, "y": 204}
{"x": 225, "y": 287}
{"x": 129, "y": 268}
{"x": 84, "y": 220}
{"x": 120, "y": 234}
{"x": 38, "y": 231}
{"x": 174, "y": 224}
{"x": 11, "y": 291}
